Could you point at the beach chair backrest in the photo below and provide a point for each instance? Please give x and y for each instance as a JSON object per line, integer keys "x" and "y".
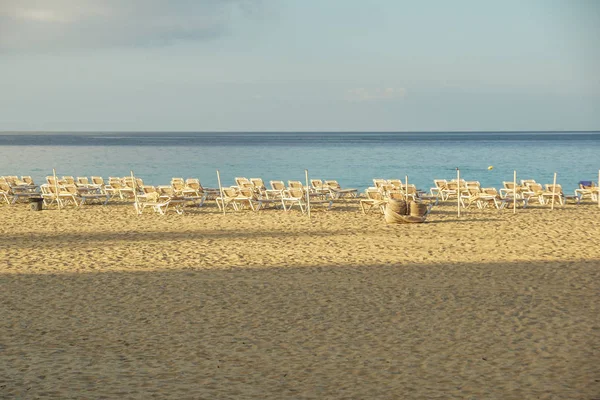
{"x": 440, "y": 183}
{"x": 527, "y": 182}
{"x": 296, "y": 193}
{"x": 554, "y": 188}
{"x": 295, "y": 184}
{"x": 490, "y": 191}
{"x": 193, "y": 183}
{"x": 246, "y": 192}
{"x": 411, "y": 189}
{"x": 97, "y": 180}
{"x": 230, "y": 192}
{"x": 452, "y": 185}
{"x": 11, "y": 180}
{"x": 374, "y": 194}
{"x": 5, "y": 187}
{"x": 240, "y": 181}
{"x": 177, "y": 183}
{"x": 277, "y": 185}
{"x": 258, "y": 183}
{"x": 316, "y": 183}
{"x": 147, "y": 189}
{"x": 534, "y": 187}
{"x": 68, "y": 188}
{"x": 130, "y": 183}
{"x": 332, "y": 183}
{"x": 386, "y": 188}
{"x": 396, "y": 183}
{"x": 27, "y": 179}
{"x": 164, "y": 190}
{"x": 378, "y": 182}
{"x": 396, "y": 195}
{"x": 472, "y": 191}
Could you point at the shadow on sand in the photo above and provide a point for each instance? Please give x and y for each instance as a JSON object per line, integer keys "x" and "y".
{"x": 492, "y": 330}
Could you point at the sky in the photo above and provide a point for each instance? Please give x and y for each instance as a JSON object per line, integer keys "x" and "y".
{"x": 299, "y": 65}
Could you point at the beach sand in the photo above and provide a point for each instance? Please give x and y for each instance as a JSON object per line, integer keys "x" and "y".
{"x": 100, "y": 303}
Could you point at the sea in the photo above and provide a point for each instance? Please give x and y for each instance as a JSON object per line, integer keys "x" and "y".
{"x": 354, "y": 159}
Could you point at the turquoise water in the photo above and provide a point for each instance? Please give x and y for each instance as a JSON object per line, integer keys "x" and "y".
{"x": 354, "y": 159}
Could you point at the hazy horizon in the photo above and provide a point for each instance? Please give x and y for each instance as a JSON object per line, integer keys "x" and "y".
{"x": 282, "y": 131}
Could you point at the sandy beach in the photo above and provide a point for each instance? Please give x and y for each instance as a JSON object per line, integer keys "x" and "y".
{"x": 98, "y": 302}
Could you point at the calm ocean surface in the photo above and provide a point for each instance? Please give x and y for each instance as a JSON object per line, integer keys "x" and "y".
{"x": 354, "y": 159}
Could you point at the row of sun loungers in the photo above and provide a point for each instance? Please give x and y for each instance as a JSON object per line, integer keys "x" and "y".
{"x": 246, "y": 193}
{"x": 255, "y": 195}
{"x": 13, "y": 189}
{"x": 526, "y": 192}
{"x": 470, "y": 193}
{"x": 252, "y": 193}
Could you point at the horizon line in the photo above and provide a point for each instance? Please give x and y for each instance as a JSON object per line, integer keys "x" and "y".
{"x": 294, "y": 131}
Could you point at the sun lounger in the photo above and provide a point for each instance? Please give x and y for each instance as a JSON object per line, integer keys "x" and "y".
{"x": 5, "y": 192}
{"x": 533, "y": 191}
{"x": 206, "y": 193}
{"x": 228, "y": 198}
{"x": 259, "y": 185}
{"x": 441, "y": 189}
{"x": 587, "y": 189}
{"x": 474, "y": 195}
{"x": 153, "y": 201}
{"x": 297, "y": 197}
{"x": 374, "y": 201}
{"x": 90, "y": 194}
{"x": 67, "y": 180}
{"x": 337, "y": 192}
{"x": 378, "y": 182}
{"x": 558, "y": 194}
{"x": 276, "y": 191}
{"x": 113, "y": 188}
{"x": 129, "y": 187}
{"x": 12, "y": 193}
{"x": 28, "y": 180}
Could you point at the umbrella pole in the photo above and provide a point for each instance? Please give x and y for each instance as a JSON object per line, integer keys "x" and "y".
{"x": 307, "y": 193}
{"x": 56, "y": 188}
{"x": 135, "y": 197}
{"x": 221, "y": 191}
{"x": 458, "y": 190}
{"x": 515, "y": 192}
{"x": 406, "y": 188}
{"x": 553, "y": 192}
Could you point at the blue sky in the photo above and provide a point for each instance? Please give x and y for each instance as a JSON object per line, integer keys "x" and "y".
{"x": 299, "y": 65}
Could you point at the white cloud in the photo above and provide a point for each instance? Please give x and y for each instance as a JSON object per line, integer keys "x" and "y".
{"x": 39, "y": 15}
{"x": 51, "y": 24}
{"x": 22, "y": 12}
{"x": 376, "y": 94}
